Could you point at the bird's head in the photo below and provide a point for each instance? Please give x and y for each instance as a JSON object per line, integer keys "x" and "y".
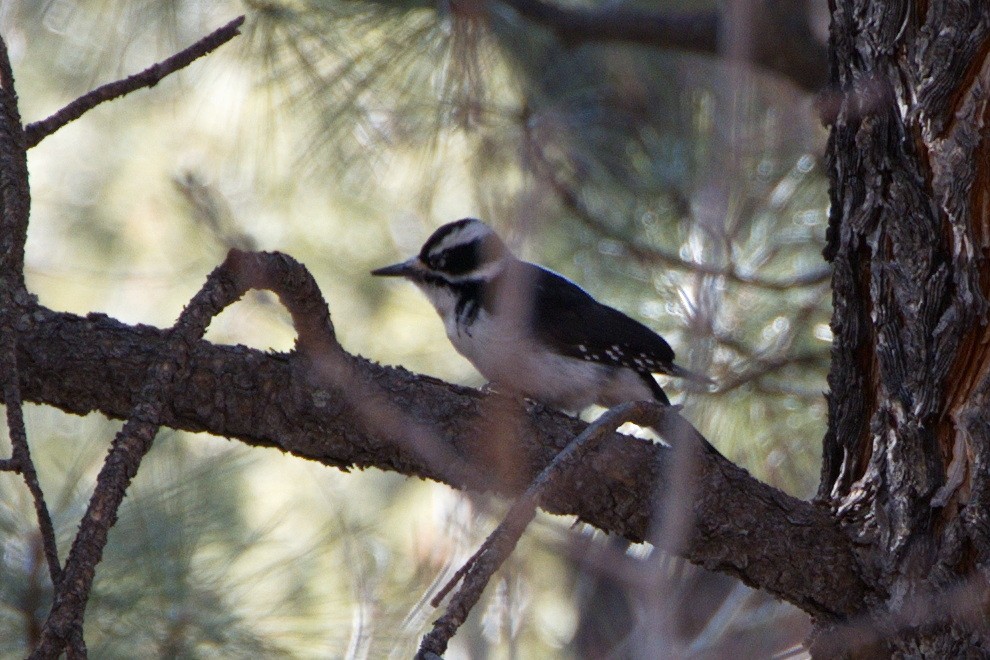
{"x": 461, "y": 251}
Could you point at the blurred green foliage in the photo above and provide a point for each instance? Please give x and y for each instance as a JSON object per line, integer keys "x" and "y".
{"x": 683, "y": 191}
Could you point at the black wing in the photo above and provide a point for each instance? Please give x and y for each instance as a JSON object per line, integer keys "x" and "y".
{"x": 578, "y": 326}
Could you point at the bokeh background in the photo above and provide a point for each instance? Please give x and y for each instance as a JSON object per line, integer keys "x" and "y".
{"x": 685, "y": 190}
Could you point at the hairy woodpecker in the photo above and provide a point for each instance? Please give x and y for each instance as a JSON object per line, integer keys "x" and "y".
{"x": 531, "y": 331}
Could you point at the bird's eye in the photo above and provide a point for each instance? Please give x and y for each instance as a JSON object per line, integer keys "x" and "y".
{"x": 433, "y": 261}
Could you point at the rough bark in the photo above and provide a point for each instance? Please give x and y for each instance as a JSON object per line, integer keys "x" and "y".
{"x": 906, "y": 452}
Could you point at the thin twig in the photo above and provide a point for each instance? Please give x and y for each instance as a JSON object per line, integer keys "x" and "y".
{"x": 21, "y": 458}
{"x": 761, "y": 367}
{"x": 460, "y": 573}
{"x": 479, "y": 569}
{"x": 37, "y": 131}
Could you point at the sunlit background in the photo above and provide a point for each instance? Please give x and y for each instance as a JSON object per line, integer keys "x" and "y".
{"x": 684, "y": 191}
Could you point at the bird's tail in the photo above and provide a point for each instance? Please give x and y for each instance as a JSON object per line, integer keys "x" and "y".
{"x": 680, "y": 372}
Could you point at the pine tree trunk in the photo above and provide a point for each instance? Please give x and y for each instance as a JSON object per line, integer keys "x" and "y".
{"x": 907, "y": 453}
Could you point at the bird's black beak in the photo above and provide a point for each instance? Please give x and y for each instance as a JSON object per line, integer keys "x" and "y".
{"x": 412, "y": 268}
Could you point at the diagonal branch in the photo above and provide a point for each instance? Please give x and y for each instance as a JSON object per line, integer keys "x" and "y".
{"x": 742, "y": 527}
{"x": 37, "y": 131}
{"x": 480, "y": 568}
{"x": 224, "y": 286}
{"x": 121, "y": 465}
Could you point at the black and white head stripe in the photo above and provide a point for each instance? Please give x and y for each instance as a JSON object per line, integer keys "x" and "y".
{"x": 462, "y": 248}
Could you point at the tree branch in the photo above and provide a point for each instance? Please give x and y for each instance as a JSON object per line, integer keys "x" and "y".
{"x": 37, "y": 131}
{"x": 789, "y": 48}
{"x": 692, "y": 31}
{"x": 15, "y": 193}
{"x": 742, "y": 527}
{"x": 15, "y": 205}
{"x": 479, "y": 569}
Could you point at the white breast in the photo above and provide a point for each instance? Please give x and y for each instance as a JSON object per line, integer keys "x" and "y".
{"x": 503, "y": 351}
